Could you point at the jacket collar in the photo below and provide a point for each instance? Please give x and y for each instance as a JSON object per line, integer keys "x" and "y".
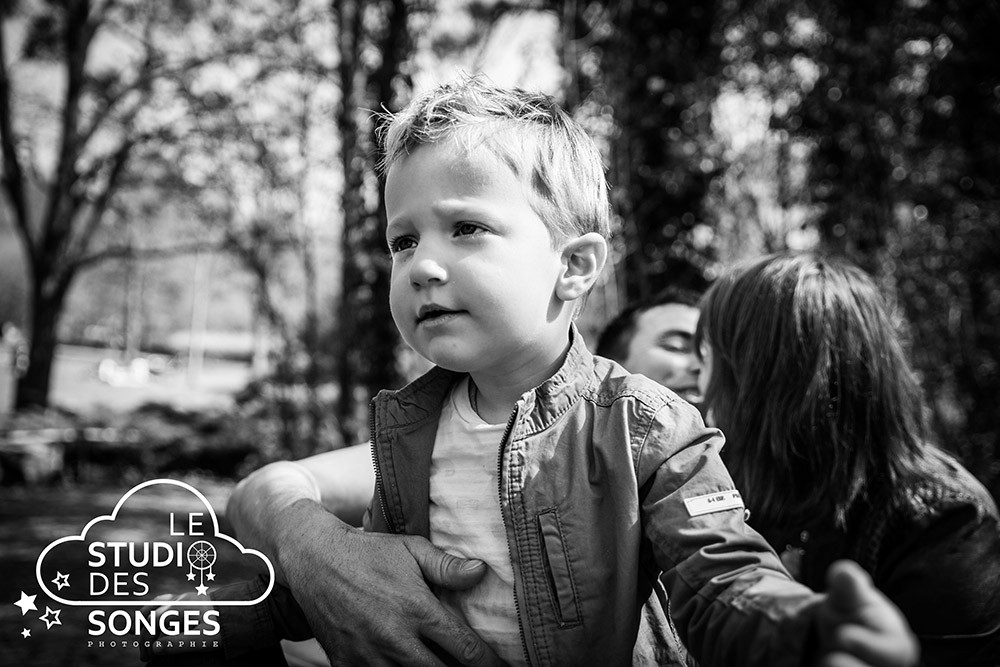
{"x": 539, "y": 408}
{"x": 547, "y": 402}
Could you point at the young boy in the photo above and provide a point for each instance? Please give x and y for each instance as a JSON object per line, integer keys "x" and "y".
{"x": 588, "y": 492}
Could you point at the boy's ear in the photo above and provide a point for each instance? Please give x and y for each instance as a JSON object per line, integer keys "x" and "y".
{"x": 583, "y": 259}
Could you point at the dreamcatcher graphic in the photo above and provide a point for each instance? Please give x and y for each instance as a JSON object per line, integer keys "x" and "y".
{"x": 201, "y": 557}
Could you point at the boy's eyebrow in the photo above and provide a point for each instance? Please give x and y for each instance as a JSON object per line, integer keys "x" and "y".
{"x": 452, "y": 206}
{"x": 447, "y": 208}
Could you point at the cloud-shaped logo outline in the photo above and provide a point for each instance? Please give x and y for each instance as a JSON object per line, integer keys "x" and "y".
{"x": 164, "y": 603}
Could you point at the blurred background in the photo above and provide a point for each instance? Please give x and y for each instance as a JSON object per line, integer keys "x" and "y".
{"x": 193, "y": 278}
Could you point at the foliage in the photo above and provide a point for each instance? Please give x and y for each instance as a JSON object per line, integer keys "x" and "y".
{"x": 260, "y": 163}
{"x": 71, "y": 150}
{"x": 903, "y": 116}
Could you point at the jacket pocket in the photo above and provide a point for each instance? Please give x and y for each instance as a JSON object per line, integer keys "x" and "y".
{"x": 560, "y": 574}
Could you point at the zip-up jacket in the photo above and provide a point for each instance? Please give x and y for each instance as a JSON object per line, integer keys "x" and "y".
{"x": 608, "y": 485}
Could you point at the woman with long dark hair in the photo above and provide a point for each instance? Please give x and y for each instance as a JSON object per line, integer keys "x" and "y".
{"x": 805, "y": 373}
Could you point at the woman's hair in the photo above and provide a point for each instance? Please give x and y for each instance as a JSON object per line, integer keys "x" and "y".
{"x": 811, "y": 386}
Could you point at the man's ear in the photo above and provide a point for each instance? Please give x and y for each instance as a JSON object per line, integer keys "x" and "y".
{"x": 583, "y": 259}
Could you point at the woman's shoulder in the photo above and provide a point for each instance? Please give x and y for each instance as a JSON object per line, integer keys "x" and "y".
{"x": 938, "y": 562}
{"x": 938, "y": 483}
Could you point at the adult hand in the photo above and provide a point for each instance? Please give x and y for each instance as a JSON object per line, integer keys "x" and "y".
{"x": 366, "y": 595}
{"x": 859, "y": 626}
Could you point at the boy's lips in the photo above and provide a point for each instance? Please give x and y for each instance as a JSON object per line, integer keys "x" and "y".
{"x": 435, "y": 313}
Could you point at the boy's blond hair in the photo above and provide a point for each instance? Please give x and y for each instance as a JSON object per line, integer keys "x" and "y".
{"x": 550, "y": 152}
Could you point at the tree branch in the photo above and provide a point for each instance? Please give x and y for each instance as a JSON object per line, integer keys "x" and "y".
{"x": 57, "y": 221}
{"x": 78, "y": 245}
{"x": 13, "y": 174}
{"x": 126, "y": 251}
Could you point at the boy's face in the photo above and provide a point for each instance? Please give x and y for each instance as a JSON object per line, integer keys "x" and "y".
{"x": 473, "y": 266}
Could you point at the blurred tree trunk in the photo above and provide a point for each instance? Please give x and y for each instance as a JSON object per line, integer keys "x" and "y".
{"x": 366, "y": 336}
{"x": 655, "y": 67}
{"x": 310, "y": 325}
{"x": 853, "y": 162}
{"x": 33, "y": 386}
{"x": 311, "y": 342}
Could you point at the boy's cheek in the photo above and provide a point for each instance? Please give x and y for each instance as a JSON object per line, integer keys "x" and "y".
{"x": 396, "y": 309}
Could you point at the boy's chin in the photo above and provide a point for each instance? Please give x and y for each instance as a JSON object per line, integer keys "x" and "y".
{"x": 453, "y": 365}
{"x": 449, "y": 362}
{"x": 448, "y": 358}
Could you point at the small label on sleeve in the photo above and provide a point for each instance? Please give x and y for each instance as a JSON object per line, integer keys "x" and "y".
{"x": 714, "y": 502}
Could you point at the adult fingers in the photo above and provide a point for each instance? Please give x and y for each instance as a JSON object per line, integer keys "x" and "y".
{"x": 849, "y": 586}
{"x": 841, "y": 660}
{"x": 443, "y": 569}
{"x": 874, "y": 647}
{"x": 398, "y": 644}
{"x": 868, "y": 625}
{"x": 457, "y": 639}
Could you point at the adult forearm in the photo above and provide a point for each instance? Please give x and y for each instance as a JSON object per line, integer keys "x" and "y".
{"x": 270, "y": 502}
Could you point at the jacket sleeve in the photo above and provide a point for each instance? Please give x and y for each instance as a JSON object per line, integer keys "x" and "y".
{"x": 731, "y": 599}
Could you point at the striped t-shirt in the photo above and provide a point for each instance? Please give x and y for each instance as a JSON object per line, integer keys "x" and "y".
{"x": 465, "y": 520}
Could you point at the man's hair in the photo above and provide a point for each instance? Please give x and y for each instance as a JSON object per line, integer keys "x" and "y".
{"x": 546, "y": 149}
{"x": 812, "y": 387}
{"x": 616, "y": 337}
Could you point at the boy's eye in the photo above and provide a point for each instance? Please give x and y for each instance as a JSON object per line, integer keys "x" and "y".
{"x": 401, "y": 243}
{"x": 466, "y": 229}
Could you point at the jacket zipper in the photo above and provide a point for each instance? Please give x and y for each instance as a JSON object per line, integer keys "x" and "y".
{"x": 510, "y": 555}
{"x": 379, "y": 487}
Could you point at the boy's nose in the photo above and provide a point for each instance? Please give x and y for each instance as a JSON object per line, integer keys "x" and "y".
{"x": 426, "y": 271}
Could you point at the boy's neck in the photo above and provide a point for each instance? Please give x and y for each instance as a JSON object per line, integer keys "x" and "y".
{"x": 493, "y": 397}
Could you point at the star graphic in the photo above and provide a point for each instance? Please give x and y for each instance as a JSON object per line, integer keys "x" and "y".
{"x": 202, "y": 590}
{"x": 61, "y": 580}
{"x": 26, "y": 603}
{"x": 210, "y": 576}
{"x": 190, "y": 576}
{"x": 49, "y": 622}
{"x": 25, "y": 633}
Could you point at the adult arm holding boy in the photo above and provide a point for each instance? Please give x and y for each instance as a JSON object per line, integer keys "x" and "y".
{"x": 366, "y": 595}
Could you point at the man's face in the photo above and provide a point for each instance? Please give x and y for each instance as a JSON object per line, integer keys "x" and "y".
{"x": 662, "y": 349}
